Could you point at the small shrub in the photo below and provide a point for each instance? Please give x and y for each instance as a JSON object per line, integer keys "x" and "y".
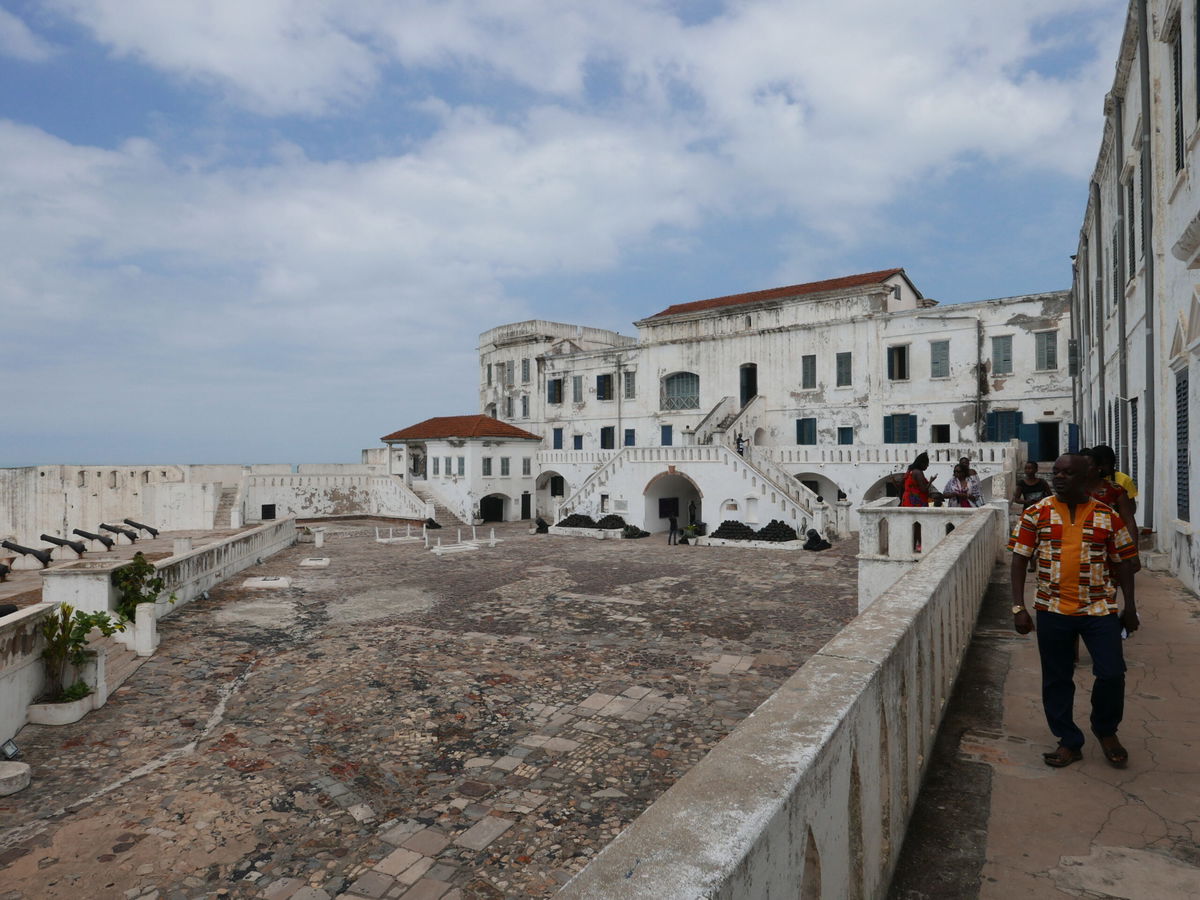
{"x": 137, "y": 582}
{"x": 632, "y": 531}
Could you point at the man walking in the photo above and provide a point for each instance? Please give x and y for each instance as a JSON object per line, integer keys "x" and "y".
{"x": 1080, "y": 545}
{"x": 673, "y": 531}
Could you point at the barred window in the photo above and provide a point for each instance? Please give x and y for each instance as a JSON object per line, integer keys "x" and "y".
{"x": 681, "y": 391}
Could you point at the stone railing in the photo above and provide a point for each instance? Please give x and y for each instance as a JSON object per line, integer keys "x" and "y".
{"x": 708, "y": 425}
{"x": 896, "y": 454}
{"x": 22, "y": 675}
{"x": 575, "y": 457}
{"x": 87, "y": 585}
{"x": 811, "y": 795}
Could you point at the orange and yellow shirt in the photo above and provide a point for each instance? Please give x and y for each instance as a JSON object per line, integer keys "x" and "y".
{"x": 1073, "y": 558}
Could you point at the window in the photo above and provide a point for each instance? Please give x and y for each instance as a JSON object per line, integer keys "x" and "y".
{"x": 462, "y": 465}
{"x": 667, "y": 435}
{"x": 630, "y": 438}
{"x": 556, "y": 439}
{"x": 577, "y": 441}
{"x": 1002, "y": 425}
{"x": 939, "y": 359}
{"x": 681, "y": 391}
{"x": 1047, "y": 350}
{"x": 604, "y": 387}
{"x": 806, "y": 431}
{"x": 897, "y": 363}
{"x": 808, "y": 372}
{"x": 1182, "y": 481}
{"x": 510, "y": 370}
{"x": 608, "y": 437}
{"x": 1072, "y": 357}
{"x": 557, "y": 486}
{"x": 487, "y": 467}
{"x": 1133, "y": 439}
{"x": 1177, "y": 96}
{"x": 436, "y": 460}
{"x": 604, "y": 503}
{"x": 504, "y": 470}
{"x": 630, "y": 385}
{"x": 526, "y": 465}
{"x": 900, "y": 428}
{"x": 525, "y": 371}
{"x": 508, "y": 407}
{"x": 1131, "y": 223}
{"x": 554, "y": 390}
{"x": 576, "y": 388}
{"x": 939, "y": 434}
{"x": 448, "y": 468}
{"x": 489, "y": 374}
{"x": 845, "y": 435}
{"x": 845, "y": 373}
{"x": 1002, "y": 362}
{"x": 524, "y": 406}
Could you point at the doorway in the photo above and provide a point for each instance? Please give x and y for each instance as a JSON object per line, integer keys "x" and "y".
{"x": 1047, "y": 441}
{"x": 491, "y": 509}
{"x": 748, "y": 380}
{"x": 526, "y": 505}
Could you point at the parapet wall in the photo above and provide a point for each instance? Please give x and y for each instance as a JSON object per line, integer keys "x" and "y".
{"x": 321, "y": 496}
{"x": 811, "y": 795}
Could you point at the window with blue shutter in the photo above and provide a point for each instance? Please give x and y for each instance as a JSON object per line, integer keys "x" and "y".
{"x": 667, "y": 435}
{"x": 1002, "y": 360}
{"x": 608, "y": 438}
{"x": 806, "y": 431}
{"x": 900, "y": 428}
{"x": 1182, "y": 481}
{"x": 556, "y": 443}
{"x": 939, "y": 359}
{"x": 845, "y": 373}
{"x": 630, "y": 437}
{"x": 845, "y": 434}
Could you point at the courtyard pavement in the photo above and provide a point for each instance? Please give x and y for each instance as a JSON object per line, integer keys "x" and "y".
{"x": 400, "y": 725}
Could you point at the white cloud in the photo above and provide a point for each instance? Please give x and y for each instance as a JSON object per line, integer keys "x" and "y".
{"x": 19, "y": 42}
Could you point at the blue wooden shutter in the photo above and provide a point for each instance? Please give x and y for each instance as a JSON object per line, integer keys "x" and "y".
{"x": 889, "y": 430}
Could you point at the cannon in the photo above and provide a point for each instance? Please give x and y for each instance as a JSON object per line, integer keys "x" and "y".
{"x": 77, "y": 546}
{"x": 4, "y": 570}
{"x": 117, "y": 529}
{"x": 92, "y": 536}
{"x": 40, "y": 555}
{"x": 153, "y": 532}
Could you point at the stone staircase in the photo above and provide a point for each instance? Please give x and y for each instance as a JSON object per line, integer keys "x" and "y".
{"x": 221, "y": 518}
{"x": 121, "y": 662}
{"x": 441, "y": 514}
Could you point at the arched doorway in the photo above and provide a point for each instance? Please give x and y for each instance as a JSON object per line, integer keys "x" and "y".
{"x": 494, "y": 508}
{"x": 822, "y": 486}
{"x": 671, "y": 493}
{"x": 551, "y": 490}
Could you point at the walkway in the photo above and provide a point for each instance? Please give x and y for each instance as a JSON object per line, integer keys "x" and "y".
{"x": 994, "y": 822}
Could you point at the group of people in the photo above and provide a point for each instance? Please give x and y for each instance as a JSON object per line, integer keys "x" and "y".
{"x": 962, "y": 489}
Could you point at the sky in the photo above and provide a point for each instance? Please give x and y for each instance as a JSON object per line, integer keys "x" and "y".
{"x": 273, "y": 231}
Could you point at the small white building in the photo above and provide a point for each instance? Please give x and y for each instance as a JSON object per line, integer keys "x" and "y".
{"x": 476, "y": 467}
{"x": 831, "y": 385}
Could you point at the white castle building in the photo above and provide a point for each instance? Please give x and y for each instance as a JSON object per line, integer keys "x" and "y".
{"x": 833, "y": 386}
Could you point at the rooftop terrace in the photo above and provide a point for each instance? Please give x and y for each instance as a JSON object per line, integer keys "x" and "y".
{"x": 481, "y": 723}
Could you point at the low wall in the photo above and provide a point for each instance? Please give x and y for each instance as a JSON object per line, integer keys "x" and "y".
{"x": 22, "y": 676}
{"x": 315, "y": 496}
{"x": 811, "y": 795}
{"x": 892, "y": 538}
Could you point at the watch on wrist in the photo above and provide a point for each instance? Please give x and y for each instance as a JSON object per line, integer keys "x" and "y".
{"x": 1018, "y": 609}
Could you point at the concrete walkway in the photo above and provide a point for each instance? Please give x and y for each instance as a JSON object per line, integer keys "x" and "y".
{"x": 994, "y": 822}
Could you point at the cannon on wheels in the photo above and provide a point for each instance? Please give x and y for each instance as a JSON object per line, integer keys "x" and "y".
{"x": 153, "y": 532}
{"x": 27, "y": 553}
{"x": 63, "y": 548}
{"x": 120, "y": 532}
{"x": 92, "y": 536}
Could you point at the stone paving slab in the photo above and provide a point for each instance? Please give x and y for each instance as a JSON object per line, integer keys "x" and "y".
{"x": 399, "y": 722}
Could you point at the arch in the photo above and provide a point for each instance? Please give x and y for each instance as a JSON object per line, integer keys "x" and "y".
{"x": 490, "y": 410}
{"x": 810, "y": 880}
{"x": 667, "y": 494}
{"x": 550, "y": 489}
{"x": 760, "y": 437}
{"x": 916, "y": 537}
{"x": 826, "y": 488}
{"x": 730, "y": 509}
{"x": 883, "y": 487}
{"x": 680, "y": 390}
{"x": 495, "y": 508}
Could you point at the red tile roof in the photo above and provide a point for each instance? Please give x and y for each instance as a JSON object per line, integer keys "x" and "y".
{"x": 795, "y": 290}
{"x": 441, "y": 427}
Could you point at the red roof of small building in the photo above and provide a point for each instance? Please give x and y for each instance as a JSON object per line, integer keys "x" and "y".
{"x": 441, "y": 427}
{"x": 794, "y": 290}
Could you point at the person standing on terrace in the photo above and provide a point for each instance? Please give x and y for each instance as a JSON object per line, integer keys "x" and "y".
{"x": 1081, "y": 544}
{"x": 916, "y": 486}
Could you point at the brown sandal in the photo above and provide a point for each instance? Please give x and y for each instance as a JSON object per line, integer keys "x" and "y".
{"x": 1117, "y": 756}
{"x": 1062, "y": 757}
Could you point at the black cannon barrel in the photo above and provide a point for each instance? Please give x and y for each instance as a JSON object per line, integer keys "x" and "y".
{"x": 4, "y": 570}
{"x": 77, "y": 546}
{"x": 152, "y": 531}
{"x": 40, "y": 555}
{"x": 117, "y": 529}
{"x": 92, "y": 536}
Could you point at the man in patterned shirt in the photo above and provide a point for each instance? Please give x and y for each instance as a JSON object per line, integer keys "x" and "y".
{"x": 1080, "y": 545}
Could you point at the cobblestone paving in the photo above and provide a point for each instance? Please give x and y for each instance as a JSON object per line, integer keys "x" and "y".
{"x": 397, "y": 725}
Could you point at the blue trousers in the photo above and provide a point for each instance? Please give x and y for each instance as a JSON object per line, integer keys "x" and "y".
{"x": 1056, "y": 635}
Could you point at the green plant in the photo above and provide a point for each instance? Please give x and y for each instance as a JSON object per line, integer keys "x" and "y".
{"x": 77, "y": 691}
{"x": 66, "y": 632}
{"x": 138, "y": 582}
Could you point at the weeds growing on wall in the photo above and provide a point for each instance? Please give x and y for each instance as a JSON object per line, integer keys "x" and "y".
{"x": 137, "y": 582}
{"x": 66, "y": 633}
